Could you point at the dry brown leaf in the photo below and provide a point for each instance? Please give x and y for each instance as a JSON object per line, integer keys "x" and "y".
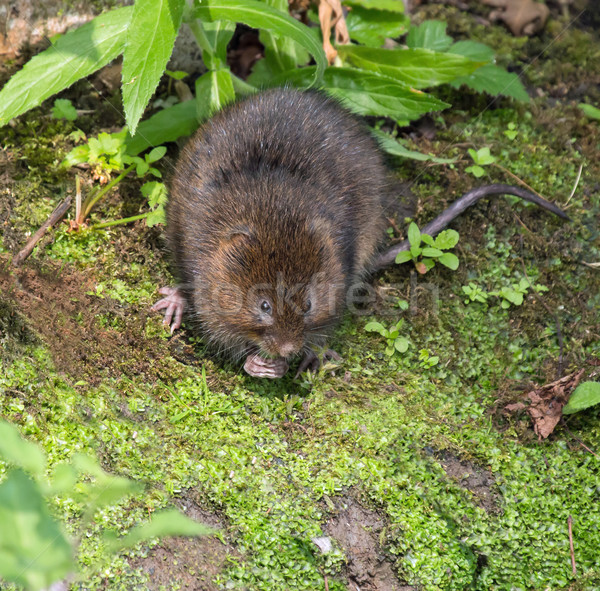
{"x": 522, "y": 17}
{"x": 547, "y": 402}
{"x": 331, "y": 16}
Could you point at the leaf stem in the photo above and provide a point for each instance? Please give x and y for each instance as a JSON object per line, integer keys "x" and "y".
{"x": 89, "y": 203}
{"x": 120, "y": 222}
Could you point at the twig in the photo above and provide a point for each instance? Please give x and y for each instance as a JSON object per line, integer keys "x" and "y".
{"x": 570, "y": 523}
{"x": 54, "y": 218}
{"x": 519, "y": 180}
{"x": 574, "y": 186}
{"x": 326, "y": 582}
{"x": 564, "y": 424}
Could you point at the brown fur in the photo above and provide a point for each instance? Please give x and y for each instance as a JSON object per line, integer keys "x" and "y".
{"x": 278, "y": 198}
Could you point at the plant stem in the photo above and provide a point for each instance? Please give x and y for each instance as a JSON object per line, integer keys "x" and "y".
{"x": 201, "y": 39}
{"x": 241, "y": 87}
{"x": 91, "y": 201}
{"x": 120, "y": 222}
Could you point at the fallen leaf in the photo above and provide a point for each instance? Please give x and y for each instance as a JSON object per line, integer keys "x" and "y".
{"x": 522, "y": 17}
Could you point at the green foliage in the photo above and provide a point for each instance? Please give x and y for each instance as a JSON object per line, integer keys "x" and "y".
{"x": 395, "y": 342}
{"x": 64, "y": 109}
{"x": 585, "y": 395}
{"x": 425, "y": 257}
{"x": 34, "y": 552}
{"x": 481, "y": 157}
{"x": 590, "y": 111}
{"x": 509, "y": 295}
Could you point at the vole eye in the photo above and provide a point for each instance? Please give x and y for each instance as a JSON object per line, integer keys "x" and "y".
{"x": 308, "y": 306}
{"x": 266, "y": 307}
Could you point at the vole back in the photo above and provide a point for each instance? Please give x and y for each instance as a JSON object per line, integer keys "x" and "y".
{"x": 275, "y": 209}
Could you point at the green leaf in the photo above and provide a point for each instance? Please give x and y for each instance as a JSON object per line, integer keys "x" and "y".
{"x": 167, "y": 125}
{"x": 64, "y": 109}
{"x": 165, "y": 523}
{"x": 432, "y": 252}
{"x": 214, "y": 90}
{"x": 176, "y": 75}
{"x": 447, "y": 239}
{"x": 372, "y": 27}
{"x": 403, "y": 257}
{"x": 449, "y": 260}
{"x": 420, "y": 68}
{"x": 389, "y": 5}
{"x": 34, "y": 552}
{"x": 401, "y": 344}
{"x": 374, "y": 327}
{"x": 260, "y": 16}
{"x": 585, "y": 395}
{"x": 150, "y": 38}
{"x": 368, "y": 94}
{"x": 482, "y": 157}
{"x": 475, "y": 170}
{"x": 394, "y": 147}
{"x": 427, "y": 239}
{"x": 156, "y": 154}
{"x": 590, "y": 111}
{"x": 218, "y": 35}
{"x": 494, "y": 80}
{"x": 429, "y": 35}
{"x": 473, "y": 50}
{"x": 414, "y": 235}
{"x": 74, "y": 55}
{"x": 19, "y": 452}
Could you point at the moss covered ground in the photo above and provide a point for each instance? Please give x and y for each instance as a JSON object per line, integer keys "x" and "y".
{"x": 410, "y": 469}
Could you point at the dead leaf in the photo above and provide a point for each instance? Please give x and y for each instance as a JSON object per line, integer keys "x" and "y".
{"x": 331, "y": 16}
{"x": 522, "y": 17}
{"x": 547, "y": 402}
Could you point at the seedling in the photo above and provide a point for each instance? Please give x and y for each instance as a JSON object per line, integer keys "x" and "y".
{"x": 427, "y": 360}
{"x": 425, "y": 257}
{"x": 395, "y": 342}
{"x": 481, "y": 157}
{"x": 509, "y": 295}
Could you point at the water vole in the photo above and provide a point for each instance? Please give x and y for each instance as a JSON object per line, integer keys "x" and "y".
{"x": 277, "y": 208}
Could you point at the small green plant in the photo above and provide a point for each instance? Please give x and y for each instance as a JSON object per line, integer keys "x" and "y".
{"x": 34, "y": 550}
{"x": 481, "y": 157}
{"x": 509, "y": 295}
{"x": 64, "y": 109}
{"x": 107, "y": 154}
{"x": 585, "y": 395}
{"x": 395, "y": 342}
{"x": 590, "y": 111}
{"x": 425, "y": 257}
{"x": 511, "y": 131}
{"x": 427, "y": 360}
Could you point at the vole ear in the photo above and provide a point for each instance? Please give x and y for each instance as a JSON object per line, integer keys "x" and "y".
{"x": 238, "y": 235}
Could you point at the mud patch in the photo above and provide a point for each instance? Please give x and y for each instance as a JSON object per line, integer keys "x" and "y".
{"x": 193, "y": 563}
{"x": 357, "y": 530}
{"x": 476, "y": 480}
{"x": 55, "y": 305}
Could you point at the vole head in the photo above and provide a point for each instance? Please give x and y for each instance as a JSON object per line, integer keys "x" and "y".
{"x": 274, "y": 287}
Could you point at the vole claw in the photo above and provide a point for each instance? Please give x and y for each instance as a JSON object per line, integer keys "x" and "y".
{"x": 313, "y": 362}
{"x": 173, "y": 305}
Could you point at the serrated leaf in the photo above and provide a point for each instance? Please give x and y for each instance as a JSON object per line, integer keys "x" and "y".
{"x": 75, "y": 55}
{"x": 432, "y": 252}
{"x": 368, "y": 94}
{"x": 390, "y": 5}
{"x": 429, "y": 35}
{"x": 395, "y": 148}
{"x": 585, "y": 395}
{"x": 214, "y": 90}
{"x": 590, "y": 111}
{"x": 473, "y": 50}
{"x": 260, "y": 16}
{"x": 19, "y": 452}
{"x": 494, "y": 80}
{"x": 150, "y": 38}
{"x": 449, "y": 260}
{"x": 372, "y": 27}
{"x": 447, "y": 239}
{"x": 420, "y": 68}
{"x": 34, "y": 552}
{"x": 414, "y": 235}
{"x": 403, "y": 257}
{"x": 427, "y": 239}
{"x": 167, "y": 125}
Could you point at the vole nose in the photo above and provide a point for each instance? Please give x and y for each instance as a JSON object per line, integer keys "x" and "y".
{"x": 287, "y": 348}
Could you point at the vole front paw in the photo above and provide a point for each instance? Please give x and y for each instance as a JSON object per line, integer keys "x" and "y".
{"x": 313, "y": 361}
{"x": 173, "y": 305}
{"x": 259, "y": 367}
